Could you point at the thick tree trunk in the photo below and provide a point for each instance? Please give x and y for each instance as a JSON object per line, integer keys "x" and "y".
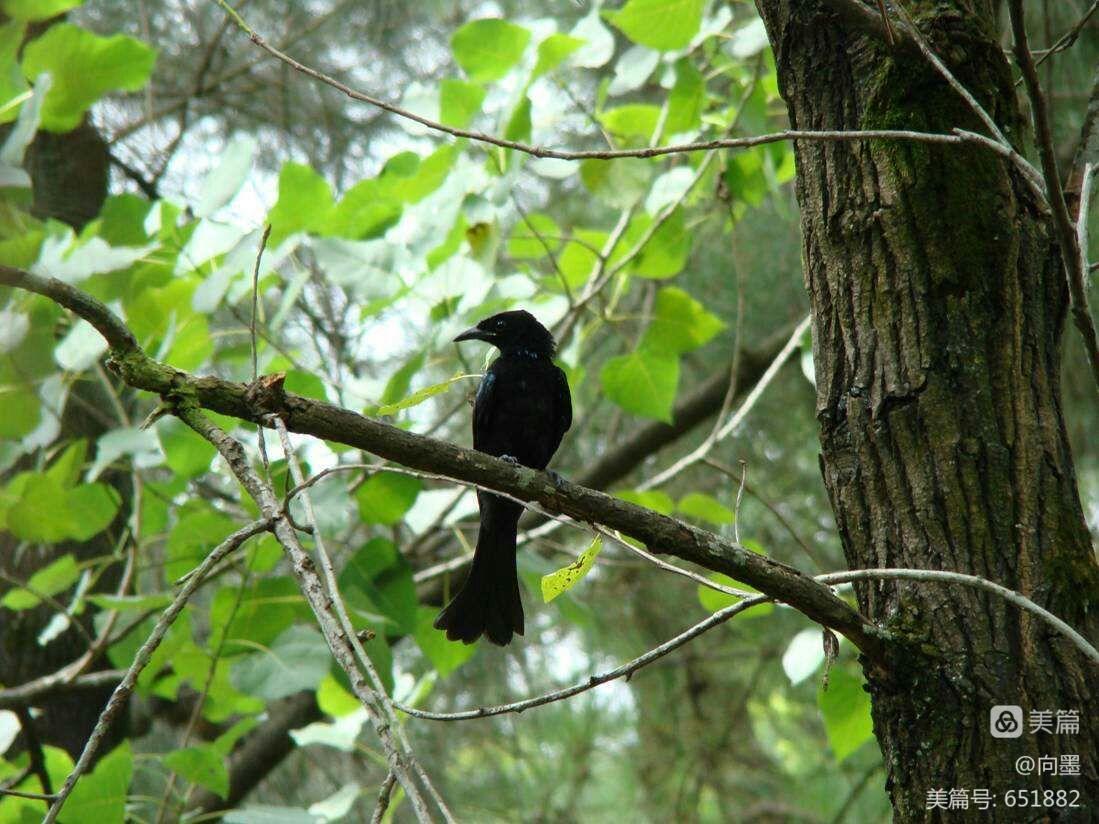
{"x": 938, "y": 303}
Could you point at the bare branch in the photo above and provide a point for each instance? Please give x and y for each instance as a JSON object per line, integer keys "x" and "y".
{"x": 1071, "y": 255}
{"x": 723, "y": 615}
{"x": 660, "y": 533}
{"x": 141, "y": 659}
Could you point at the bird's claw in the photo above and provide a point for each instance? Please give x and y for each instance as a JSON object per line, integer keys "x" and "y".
{"x": 558, "y": 481}
{"x": 510, "y": 459}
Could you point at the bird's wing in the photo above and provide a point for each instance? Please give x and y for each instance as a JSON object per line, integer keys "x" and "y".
{"x": 483, "y": 404}
{"x": 563, "y": 403}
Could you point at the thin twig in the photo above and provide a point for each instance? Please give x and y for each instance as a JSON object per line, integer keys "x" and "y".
{"x": 723, "y": 615}
{"x": 384, "y": 703}
{"x": 252, "y": 335}
{"x": 561, "y": 154}
{"x": 1072, "y": 256}
{"x": 384, "y": 793}
{"x": 141, "y": 660}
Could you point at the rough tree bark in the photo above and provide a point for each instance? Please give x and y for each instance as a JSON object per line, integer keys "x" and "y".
{"x": 938, "y": 301}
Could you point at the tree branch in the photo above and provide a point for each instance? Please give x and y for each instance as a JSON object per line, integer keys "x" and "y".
{"x": 1071, "y": 255}
{"x": 660, "y": 533}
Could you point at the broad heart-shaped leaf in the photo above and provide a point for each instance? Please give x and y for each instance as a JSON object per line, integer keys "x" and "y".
{"x": 845, "y": 707}
{"x": 552, "y": 51}
{"x": 376, "y": 581}
{"x": 305, "y": 203}
{"x": 565, "y": 578}
{"x": 386, "y": 497}
{"x": 665, "y": 253}
{"x": 39, "y": 508}
{"x": 713, "y": 600}
{"x": 101, "y": 795}
{"x": 659, "y": 24}
{"x": 200, "y": 765}
{"x": 31, "y": 10}
{"x": 680, "y": 323}
{"x": 297, "y": 660}
{"x": 486, "y": 49}
{"x": 50, "y": 580}
{"x": 444, "y": 655}
{"x": 84, "y": 67}
{"x": 459, "y": 102}
{"x": 687, "y": 99}
{"x": 643, "y": 382}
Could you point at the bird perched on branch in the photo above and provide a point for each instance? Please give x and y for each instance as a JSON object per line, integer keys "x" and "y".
{"x": 522, "y": 410}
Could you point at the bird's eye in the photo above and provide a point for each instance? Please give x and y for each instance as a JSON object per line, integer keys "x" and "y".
{"x": 500, "y": 324}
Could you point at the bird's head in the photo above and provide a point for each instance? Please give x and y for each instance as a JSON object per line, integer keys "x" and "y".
{"x": 514, "y": 331}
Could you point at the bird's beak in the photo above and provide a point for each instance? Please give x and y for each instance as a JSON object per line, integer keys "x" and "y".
{"x": 473, "y": 333}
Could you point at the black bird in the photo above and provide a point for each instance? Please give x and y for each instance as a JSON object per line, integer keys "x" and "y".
{"x": 522, "y": 410}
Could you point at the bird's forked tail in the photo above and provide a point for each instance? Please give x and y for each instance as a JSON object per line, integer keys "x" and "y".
{"x": 489, "y": 602}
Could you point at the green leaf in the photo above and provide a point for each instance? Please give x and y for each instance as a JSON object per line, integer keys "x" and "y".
{"x": 13, "y": 88}
{"x": 32, "y": 10}
{"x": 579, "y": 257}
{"x": 745, "y": 178}
{"x": 459, "y": 102}
{"x": 192, "y": 538}
{"x": 37, "y": 513}
{"x": 713, "y": 600}
{"x": 444, "y": 655}
{"x": 50, "y": 580}
{"x": 22, "y": 410}
{"x": 366, "y": 211}
{"x": 187, "y": 454}
{"x": 298, "y": 660}
{"x": 378, "y": 581}
{"x": 845, "y": 708}
{"x": 687, "y": 99}
{"x": 518, "y": 127}
{"x": 386, "y": 497}
{"x": 532, "y": 237}
{"x": 397, "y": 385}
{"x": 703, "y": 507}
{"x": 256, "y": 616}
{"x": 66, "y": 467}
{"x": 421, "y": 395}
{"x": 631, "y": 120}
{"x": 619, "y": 182}
{"x": 487, "y": 49}
{"x": 565, "y": 578}
{"x": 642, "y": 382}
{"x": 652, "y": 499}
{"x": 132, "y": 603}
{"x": 659, "y": 24}
{"x": 666, "y": 252}
{"x": 222, "y": 184}
{"x": 305, "y": 203}
{"x": 84, "y": 67}
{"x": 101, "y": 795}
{"x": 552, "y": 51}
{"x": 680, "y": 323}
{"x": 89, "y": 509}
{"x": 200, "y": 765}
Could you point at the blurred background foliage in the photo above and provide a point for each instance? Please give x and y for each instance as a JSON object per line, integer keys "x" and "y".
{"x": 386, "y": 240}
